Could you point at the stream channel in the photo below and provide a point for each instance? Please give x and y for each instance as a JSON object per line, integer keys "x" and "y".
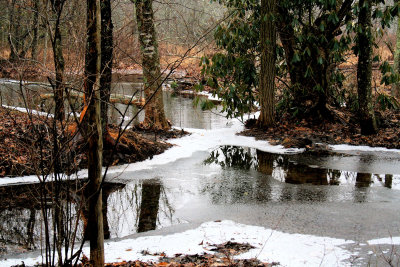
{"x": 352, "y": 195}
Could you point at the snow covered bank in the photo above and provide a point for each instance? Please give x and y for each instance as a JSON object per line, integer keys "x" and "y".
{"x": 199, "y": 140}
{"x": 270, "y": 246}
{"x": 30, "y": 111}
{"x": 395, "y": 240}
{"x": 345, "y": 147}
{"x": 31, "y": 179}
{"x": 204, "y": 140}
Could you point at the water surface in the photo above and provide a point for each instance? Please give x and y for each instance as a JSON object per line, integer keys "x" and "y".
{"x": 352, "y": 195}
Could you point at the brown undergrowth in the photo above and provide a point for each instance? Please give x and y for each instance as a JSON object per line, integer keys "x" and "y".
{"x": 26, "y": 145}
{"x": 292, "y": 133}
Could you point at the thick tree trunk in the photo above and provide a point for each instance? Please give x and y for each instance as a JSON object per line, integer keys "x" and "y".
{"x": 364, "y": 69}
{"x": 106, "y": 60}
{"x": 154, "y": 110}
{"x": 396, "y": 86}
{"x": 94, "y": 132}
{"x": 267, "y": 74}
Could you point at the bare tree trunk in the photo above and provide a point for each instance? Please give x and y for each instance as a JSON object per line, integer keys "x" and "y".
{"x": 267, "y": 73}
{"x": 57, "y": 7}
{"x": 46, "y": 36}
{"x": 364, "y": 69}
{"x": 106, "y": 60}
{"x": 94, "y": 131}
{"x": 36, "y": 10}
{"x": 154, "y": 110}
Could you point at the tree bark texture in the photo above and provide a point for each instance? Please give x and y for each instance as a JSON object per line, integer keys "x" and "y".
{"x": 94, "y": 132}
{"x": 57, "y": 7}
{"x": 396, "y": 86}
{"x": 106, "y": 60}
{"x": 364, "y": 69}
{"x": 267, "y": 73}
{"x": 154, "y": 110}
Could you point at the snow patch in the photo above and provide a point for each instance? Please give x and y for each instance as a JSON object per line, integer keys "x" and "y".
{"x": 388, "y": 240}
{"x": 270, "y": 246}
{"x": 30, "y": 111}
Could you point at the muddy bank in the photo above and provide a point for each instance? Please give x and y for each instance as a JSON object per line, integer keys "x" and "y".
{"x": 306, "y": 134}
{"x": 27, "y": 145}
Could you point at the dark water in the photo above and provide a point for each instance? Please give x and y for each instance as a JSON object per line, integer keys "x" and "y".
{"x": 21, "y": 210}
{"x": 286, "y": 178}
{"x": 289, "y": 168}
{"x": 226, "y": 177}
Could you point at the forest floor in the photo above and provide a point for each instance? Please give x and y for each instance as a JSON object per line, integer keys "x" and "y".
{"x": 305, "y": 134}
{"x": 27, "y": 145}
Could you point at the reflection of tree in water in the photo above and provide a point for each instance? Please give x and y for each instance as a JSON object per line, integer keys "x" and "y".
{"x": 18, "y": 227}
{"x": 385, "y": 180}
{"x": 21, "y": 212}
{"x": 280, "y": 166}
{"x": 290, "y": 171}
{"x": 233, "y": 184}
{"x": 151, "y": 191}
{"x": 363, "y": 181}
{"x": 140, "y": 206}
{"x": 232, "y": 156}
{"x": 388, "y": 180}
{"x": 108, "y": 189}
{"x": 334, "y": 176}
{"x": 21, "y": 221}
